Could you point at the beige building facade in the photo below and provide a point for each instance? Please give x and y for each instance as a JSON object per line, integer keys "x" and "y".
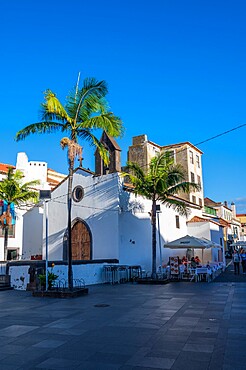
{"x": 186, "y": 154}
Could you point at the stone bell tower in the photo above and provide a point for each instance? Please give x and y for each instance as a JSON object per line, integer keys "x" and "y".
{"x": 114, "y": 156}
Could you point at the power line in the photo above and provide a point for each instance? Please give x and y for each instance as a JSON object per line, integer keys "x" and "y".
{"x": 185, "y": 149}
{"x": 206, "y": 140}
{"x": 91, "y": 185}
{"x": 221, "y": 134}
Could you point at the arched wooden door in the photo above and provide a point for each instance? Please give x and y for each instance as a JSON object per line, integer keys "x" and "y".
{"x": 81, "y": 241}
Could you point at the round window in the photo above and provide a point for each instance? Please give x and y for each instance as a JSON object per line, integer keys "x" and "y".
{"x": 78, "y": 193}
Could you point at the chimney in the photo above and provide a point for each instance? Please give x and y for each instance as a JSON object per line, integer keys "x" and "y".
{"x": 233, "y": 208}
{"x": 225, "y": 203}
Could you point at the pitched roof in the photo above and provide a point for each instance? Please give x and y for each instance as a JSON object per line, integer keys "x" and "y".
{"x": 4, "y": 167}
{"x": 202, "y": 219}
{"x": 111, "y": 139}
{"x": 114, "y": 143}
{"x": 182, "y": 144}
{"x": 210, "y": 203}
{"x": 224, "y": 222}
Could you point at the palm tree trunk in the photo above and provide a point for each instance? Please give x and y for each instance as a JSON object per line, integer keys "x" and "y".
{"x": 6, "y": 236}
{"x": 153, "y": 221}
{"x": 7, "y": 222}
{"x": 69, "y": 226}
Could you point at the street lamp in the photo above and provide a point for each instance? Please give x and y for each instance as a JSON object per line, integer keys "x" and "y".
{"x": 45, "y": 196}
{"x": 158, "y": 210}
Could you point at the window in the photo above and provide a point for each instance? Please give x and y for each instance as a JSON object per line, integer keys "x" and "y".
{"x": 192, "y": 177}
{"x": 198, "y": 161}
{"x": 210, "y": 211}
{"x": 171, "y": 154}
{"x": 200, "y": 202}
{"x": 193, "y": 199}
{"x": 78, "y": 193}
{"x": 12, "y": 254}
{"x": 191, "y": 157}
{"x": 199, "y": 180}
{"x": 177, "y": 222}
{"x": 11, "y": 231}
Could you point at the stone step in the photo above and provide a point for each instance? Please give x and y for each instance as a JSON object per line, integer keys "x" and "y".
{"x": 5, "y": 282}
{"x": 5, "y": 287}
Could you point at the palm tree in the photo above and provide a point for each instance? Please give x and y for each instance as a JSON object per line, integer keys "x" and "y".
{"x": 13, "y": 191}
{"x": 86, "y": 109}
{"x": 160, "y": 182}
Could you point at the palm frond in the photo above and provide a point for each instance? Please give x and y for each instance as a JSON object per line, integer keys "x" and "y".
{"x": 177, "y": 205}
{"x": 185, "y": 187}
{"x": 92, "y": 106}
{"x": 86, "y": 134}
{"x": 38, "y": 128}
{"x": 108, "y": 122}
{"x": 104, "y": 154}
{"x": 13, "y": 190}
{"x": 52, "y": 109}
{"x": 135, "y": 170}
{"x": 92, "y": 89}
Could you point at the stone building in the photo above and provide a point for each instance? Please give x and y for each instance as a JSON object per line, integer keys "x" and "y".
{"x": 142, "y": 150}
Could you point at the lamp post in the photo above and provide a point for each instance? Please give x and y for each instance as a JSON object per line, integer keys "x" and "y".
{"x": 158, "y": 211}
{"x": 45, "y": 196}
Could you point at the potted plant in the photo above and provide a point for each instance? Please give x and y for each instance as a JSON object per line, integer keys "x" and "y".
{"x": 51, "y": 279}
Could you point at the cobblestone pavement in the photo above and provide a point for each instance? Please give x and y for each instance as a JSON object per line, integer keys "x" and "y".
{"x": 129, "y": 326}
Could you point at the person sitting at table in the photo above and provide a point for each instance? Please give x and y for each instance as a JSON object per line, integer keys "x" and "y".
{"x": 198, "y": 261}
{"x": 184, "y": 260}
{"x": 208, "y": 266}
{"x": 193, "y": 263}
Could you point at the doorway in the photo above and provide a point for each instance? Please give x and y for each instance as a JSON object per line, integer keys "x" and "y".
{"x": 81, "y": 241}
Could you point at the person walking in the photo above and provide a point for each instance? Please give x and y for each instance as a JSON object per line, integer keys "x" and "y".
{"x": 243, "y": 260}
{"x": 236, "y": 262}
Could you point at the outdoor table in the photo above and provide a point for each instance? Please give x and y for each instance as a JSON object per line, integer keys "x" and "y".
{"x": 203, "y": 271}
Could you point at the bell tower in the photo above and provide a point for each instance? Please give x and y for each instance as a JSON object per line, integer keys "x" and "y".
{"x": 114, "y": 156}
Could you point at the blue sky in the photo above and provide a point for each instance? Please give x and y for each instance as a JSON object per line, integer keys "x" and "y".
{"x": 175, "y": 71}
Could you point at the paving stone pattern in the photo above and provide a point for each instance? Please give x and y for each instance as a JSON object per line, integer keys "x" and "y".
{"x": 193, "y": 326}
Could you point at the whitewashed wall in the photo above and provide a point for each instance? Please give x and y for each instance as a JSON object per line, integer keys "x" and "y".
{"x": 199, "y": 229}
{"x": 33, "y": 170}
{"x": 119, "y": 222}
{"x": 135, "y": 231}
{"x": 99, "y": 209}
{"x": 32, "y": 233}
{"x": 19, "y": 277}
{"x": 90, "y": 273}
{"x": 210, "y": 231}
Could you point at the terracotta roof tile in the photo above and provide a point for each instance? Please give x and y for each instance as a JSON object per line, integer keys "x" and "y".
{"x": 210, "y": 203}
{"x": 201, "y": 219}
{"x": 224, "y": 222}
{"x": 4, "y": 167}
